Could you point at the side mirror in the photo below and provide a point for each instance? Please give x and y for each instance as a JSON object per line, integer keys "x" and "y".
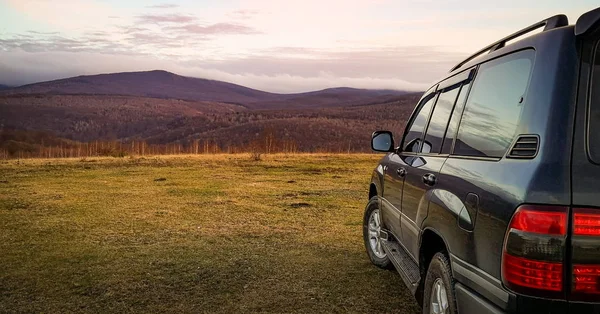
{"x": 382, "y": 141}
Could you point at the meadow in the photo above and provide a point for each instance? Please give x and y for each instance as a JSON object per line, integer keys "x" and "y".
{"x": 197, "y": 234}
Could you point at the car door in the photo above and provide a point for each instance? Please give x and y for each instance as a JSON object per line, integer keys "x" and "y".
{"x": 395, "y": 167}
{"x": 392, "y": 194}
{"x": 423, "y": 167}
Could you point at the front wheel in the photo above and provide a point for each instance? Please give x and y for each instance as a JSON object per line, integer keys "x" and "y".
{"x": 438, "y": 297}
{"x": 371, "y": 231}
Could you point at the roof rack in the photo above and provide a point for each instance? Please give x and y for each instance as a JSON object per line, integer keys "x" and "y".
{"x": 548, "y": 24}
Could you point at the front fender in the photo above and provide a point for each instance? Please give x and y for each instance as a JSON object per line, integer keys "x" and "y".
{"x": 377, "y": 179}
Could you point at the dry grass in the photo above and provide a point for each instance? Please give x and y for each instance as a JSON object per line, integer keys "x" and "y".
{"x": 190, "y": 234}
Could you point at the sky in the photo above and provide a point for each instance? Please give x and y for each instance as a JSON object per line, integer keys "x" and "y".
{"x": 274, "y": 45}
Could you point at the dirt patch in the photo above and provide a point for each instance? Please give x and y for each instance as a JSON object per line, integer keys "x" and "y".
{"x": 312, "y": 171}
{"x": 300, "y": 205}
{"x": 311, "y": 193}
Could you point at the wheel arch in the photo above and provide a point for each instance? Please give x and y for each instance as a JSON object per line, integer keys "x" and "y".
{"x": 432, "y": 240}
{"x": 372, "y": 190}
{"x": 430, "y": 243}
{"x": 376, "y": 185}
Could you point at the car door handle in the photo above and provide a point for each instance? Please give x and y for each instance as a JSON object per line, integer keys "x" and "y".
{"x": 429, "y": 179}
{"x": 401, "y": 172}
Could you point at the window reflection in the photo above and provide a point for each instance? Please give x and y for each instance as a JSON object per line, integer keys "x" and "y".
{"x": 494, "y": 106}
{"x": 594, "y": 113}
{"x": 439, "y": 120}
{"x": 418, "y": 125}
{"x": 456, "y": 115}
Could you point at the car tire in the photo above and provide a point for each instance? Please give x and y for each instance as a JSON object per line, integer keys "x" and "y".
{"x": 439, "y": 296}
{"x": 370, "y": 233}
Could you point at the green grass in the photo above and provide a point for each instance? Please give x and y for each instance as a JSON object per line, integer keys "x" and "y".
{"x": 214, "y": 234}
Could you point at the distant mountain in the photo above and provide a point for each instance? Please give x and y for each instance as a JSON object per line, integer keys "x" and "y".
{"x": 156, "y": 84}
{"x": 164, "y": 108}
{"x": 166, "y": 85}
{"x": 2, "y": 87}
{"x": 331, "y": 97}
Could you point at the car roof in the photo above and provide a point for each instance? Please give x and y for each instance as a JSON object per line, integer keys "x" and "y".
{"x": 516, "y": 44}
{"x": 553, "y": 28}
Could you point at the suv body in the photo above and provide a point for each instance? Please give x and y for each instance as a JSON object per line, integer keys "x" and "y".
{"x": 490, "y": 203}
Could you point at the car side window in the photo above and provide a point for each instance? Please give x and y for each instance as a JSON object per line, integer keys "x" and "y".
{"x": 439, "y": 120}
{"x": 593, "y": 136}
{"x": 414, "y": 135}
{"x": 455, "y": 119}
{"x": 493, "y": 108}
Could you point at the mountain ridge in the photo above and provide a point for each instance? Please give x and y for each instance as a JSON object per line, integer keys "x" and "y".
{"x": 168, "y": 85}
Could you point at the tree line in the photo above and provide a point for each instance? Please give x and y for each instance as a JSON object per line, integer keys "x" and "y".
{"x": 266, "y": 143}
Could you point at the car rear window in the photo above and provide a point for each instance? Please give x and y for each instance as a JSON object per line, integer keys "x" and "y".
{"x": 594, "y": 111}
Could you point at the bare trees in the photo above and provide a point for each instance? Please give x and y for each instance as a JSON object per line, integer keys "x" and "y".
{"x": 265, "y": 143}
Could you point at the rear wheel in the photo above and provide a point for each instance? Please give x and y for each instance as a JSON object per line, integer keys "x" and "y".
{"x": 371, "y": 231}
{"x": 438, "y": 297}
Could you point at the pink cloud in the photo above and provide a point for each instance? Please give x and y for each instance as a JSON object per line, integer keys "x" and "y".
{"x": 219, "y": 28}
{"x": 163, "y": 6}
{"x": 165, "y": 18}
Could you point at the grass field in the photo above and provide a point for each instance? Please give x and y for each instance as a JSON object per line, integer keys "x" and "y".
{"x": 213, "y": 234}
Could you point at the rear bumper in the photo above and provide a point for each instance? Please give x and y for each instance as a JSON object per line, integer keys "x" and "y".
{"x": 469, "y": 302}
{"x": 576, "y": 307}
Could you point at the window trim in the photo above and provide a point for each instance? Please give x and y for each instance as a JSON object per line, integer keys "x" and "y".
{"x": 477, "y": 66}
{"x": 460, "y": 78}
{"x": 475, "y": 158}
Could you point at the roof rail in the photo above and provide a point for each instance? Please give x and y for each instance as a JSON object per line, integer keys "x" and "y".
{"x": 548, "y": 24}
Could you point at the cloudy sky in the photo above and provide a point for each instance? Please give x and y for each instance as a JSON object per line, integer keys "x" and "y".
{"x": 274, "y": 45}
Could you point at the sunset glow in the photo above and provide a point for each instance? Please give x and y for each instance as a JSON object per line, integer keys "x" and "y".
{"x": 281, "y": 46}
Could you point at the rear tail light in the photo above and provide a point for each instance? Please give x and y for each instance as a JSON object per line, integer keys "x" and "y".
{"x": 534, "y": 250}
{"x": 586, "y": 254}
{"x": 586, "y": 279}
{"x": 586, "y": 223}
{"x": 533, "y": 274}
{"x": 541, "y": 221}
